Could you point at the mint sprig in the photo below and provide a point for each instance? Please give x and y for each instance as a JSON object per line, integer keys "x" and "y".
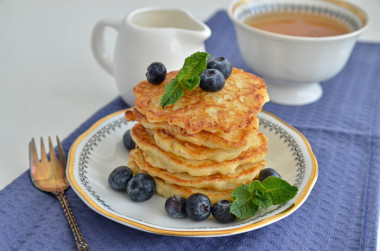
{"x": 249, "y": 198}
{"x": 187, "y": 78}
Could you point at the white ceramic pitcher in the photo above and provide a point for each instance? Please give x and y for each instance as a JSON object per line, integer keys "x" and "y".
{"x": 166, "y": 35}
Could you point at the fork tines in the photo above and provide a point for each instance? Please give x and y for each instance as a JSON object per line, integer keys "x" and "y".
{"x": 33, "y": 151}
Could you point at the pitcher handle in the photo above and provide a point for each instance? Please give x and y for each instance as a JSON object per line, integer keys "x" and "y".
{"x": 97, "y": 41}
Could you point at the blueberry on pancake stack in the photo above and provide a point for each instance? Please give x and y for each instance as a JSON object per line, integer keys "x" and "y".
{"x": 207, "y": 142}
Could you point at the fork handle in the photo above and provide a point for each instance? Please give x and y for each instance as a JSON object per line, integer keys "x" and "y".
{"x": 81, "y": 243}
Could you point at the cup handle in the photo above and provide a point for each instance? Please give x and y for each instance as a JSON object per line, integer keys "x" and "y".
{"x": 97, "y": 41}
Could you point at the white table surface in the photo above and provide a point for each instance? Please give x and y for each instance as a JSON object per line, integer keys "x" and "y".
{"x": 49, "y": 80}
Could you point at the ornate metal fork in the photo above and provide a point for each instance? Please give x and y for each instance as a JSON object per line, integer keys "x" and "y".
{"x": 50, "y": 176}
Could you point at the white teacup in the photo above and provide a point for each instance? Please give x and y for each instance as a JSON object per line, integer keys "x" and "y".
{"x": 156, "y": 34}
{"x": 293, "y": 66}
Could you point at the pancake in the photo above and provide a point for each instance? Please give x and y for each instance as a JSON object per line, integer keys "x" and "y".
{"x": 167, "y": 190}
{"x": 159, "y": 158}
{"x": 234, "y": 140}
{"x": 232, "y": 108}
{"x": 191, "y": 151}
{"x": 244, "y": 174}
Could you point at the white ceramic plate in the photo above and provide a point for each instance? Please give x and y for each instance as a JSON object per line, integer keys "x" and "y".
{"x": 99, "y": 150}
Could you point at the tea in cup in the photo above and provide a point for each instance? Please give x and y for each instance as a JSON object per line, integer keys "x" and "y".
{"x": 293, "y": 45}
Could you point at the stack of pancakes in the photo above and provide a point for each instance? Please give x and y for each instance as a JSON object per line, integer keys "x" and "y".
{"x": 204, "y": 143}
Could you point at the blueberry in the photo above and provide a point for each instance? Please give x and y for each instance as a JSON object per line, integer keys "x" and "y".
{"x": 221, "y": 64}
{"x": 211, "y": 80}
{"x": 198, "y": 207}
{"x": 221, "y": 211}
{"x": 175, "y": 207}
{"x": 141, "y": 187}
{"x": 128, "y": 141}
{"x": 156, "y": 73}
{"x": 267, "y": 172}
{"x": 119, "y": 178}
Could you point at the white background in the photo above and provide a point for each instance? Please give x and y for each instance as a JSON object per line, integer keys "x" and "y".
{"x": 49, "y": 80}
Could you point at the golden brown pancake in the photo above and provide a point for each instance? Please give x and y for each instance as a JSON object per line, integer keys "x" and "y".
{"x": 204, "y": 143}
{"x": 237, "y": 139}
{"x": 191, "y": 151}
{"x": 168, "y": 190}
{"x": 159, "y": 158}
{"x": 232, "y": 108}
{"x": 244, "y": 174}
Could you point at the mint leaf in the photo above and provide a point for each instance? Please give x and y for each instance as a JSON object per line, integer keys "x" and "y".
{"x": 191, "y": 83}
{"x": 187, "y": 78}
{"x": 261, "y": 197}
{"x": 249, "y": 198}
{"x": 255, "y": 185}
{"x": 195, "y": 64}
{"x": 243, "y": 209}
{"x": 279, "y": 190}
{"x": 241, "y": 193}
{"x": 173, "y": 92}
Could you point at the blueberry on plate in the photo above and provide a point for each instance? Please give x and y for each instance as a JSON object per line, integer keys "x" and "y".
{"x": 128, "y": 141}
{"x": 141, "y": 187}
{"x": 267, "y": 172}
{"x": 119, "y": 178}
{"x": 212, "y": 80}
{"x": 221, "y": 64}
{"x": 175, "y": 206}
{"x": 198, "y": 207}
{"x": 156, "y": 73}
{"x": 221, "y": 211}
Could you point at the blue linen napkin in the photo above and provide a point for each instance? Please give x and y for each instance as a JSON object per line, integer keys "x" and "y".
{"x": 342, "y": 211}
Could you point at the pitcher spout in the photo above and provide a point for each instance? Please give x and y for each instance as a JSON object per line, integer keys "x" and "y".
{"x": 191, "y": 32}
{"x": 193, "y": 26}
